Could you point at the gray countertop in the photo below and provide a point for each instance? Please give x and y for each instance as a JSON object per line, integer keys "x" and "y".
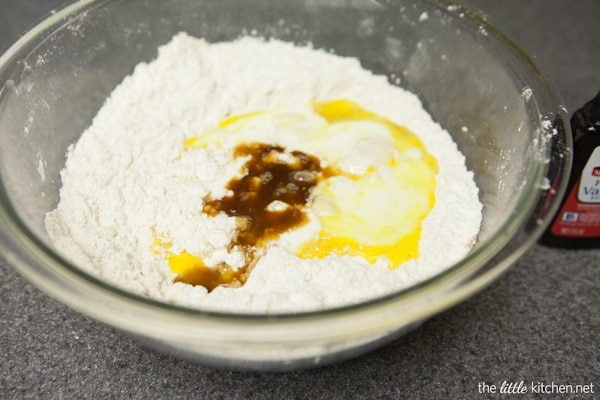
{"x": 540, "y": 322}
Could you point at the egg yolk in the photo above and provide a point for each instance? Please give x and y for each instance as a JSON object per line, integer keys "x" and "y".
{"x": 369, "y": 184}
{"x": 379, "y": 210}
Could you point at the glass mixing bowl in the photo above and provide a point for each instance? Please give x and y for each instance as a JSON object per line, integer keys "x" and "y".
{"x": 466, "y": 72}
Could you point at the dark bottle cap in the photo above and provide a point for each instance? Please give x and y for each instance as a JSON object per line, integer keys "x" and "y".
{"x": 587, "y": 118}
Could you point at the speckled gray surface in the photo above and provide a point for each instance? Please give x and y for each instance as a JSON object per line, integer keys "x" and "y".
{"x": 540, "y": 322}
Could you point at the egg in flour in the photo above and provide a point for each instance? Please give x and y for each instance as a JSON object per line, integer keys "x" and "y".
{"x": 322, "y": 178}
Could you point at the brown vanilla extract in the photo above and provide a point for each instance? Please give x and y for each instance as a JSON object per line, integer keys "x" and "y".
{"x": 577, "y": 223}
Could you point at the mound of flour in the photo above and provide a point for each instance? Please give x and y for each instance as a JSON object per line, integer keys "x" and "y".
{"x": 127, "y": 178}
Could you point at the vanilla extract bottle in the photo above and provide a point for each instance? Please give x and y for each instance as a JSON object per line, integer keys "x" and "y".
{"x": 577, "y": 223}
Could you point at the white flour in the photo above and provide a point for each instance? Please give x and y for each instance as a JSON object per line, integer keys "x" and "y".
{"x": 127, "y": 178}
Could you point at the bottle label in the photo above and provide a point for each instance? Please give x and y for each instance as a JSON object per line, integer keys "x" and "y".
{"x": 580, "y": 215}
{"x": 589, "y": 187}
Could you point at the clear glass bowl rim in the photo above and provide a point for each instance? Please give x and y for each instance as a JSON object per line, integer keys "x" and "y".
{"x": 454, "y": 285}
